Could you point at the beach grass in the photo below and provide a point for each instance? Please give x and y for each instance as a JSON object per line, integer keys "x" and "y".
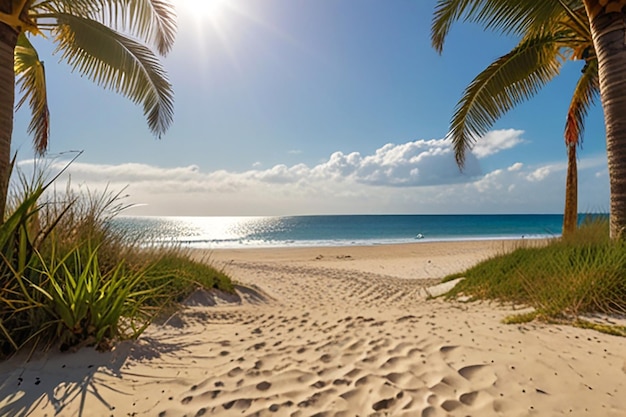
{"x": 174, "y": 268}
{"x": 68, "y": 279}
{"x": 563, "y": 280}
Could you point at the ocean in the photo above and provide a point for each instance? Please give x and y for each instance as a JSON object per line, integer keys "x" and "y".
{"x": 333, "y": 230}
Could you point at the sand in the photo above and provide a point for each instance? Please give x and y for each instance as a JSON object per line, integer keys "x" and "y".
{"x": 342, "y": 331}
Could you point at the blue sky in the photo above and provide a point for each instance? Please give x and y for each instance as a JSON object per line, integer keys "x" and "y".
{"x": 318, "y": 107}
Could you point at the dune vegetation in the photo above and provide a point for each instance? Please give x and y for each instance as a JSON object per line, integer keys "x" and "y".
{"x": 567, "y": 280}
{"x": 68, "y": 279}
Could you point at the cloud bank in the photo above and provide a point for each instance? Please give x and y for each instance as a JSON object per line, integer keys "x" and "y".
{"x": 415, "y": 177}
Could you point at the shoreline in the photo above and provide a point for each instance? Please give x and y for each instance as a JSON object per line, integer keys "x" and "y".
{"x": 349, "y": 333}
{"x": 206, "y": 245}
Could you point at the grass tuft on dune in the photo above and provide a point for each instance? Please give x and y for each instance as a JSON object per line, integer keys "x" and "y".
{"x": 563, "y": 280}
{"x": 68, "y": 279}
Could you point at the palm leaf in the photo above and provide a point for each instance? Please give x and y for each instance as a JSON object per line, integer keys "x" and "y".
{"x": 576, "y": 19}
{"x": 585, "y": 94}
{"x": 505, "y": 16}
{"x": 117, "y": 62}
{"x": 153, "y": 21}
{"x": 510, "y": 80}
{"x": 31, "y": 79}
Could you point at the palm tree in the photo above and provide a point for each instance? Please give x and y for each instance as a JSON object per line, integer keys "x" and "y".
{"x": 105, "y": 40}
{"x": 609, "y": 31}
{"x": 587, "y": 89}
{"x": 518, "y": 75}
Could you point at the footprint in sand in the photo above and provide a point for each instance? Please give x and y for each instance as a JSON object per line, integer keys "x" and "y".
{"x": 353, "y": 373}
{"x": 213, "y": 394}
{"x": 476, "y": 399}
{"x": 450, "y": 405}
{"x": 274, "y": 408}
{"x": 304, "y": 378}
{"x": 350, "y": 394}
{"x": 356, "y": 345}
{"x": 432, "y": 399}
{"x": 326, "y": 358}
{"x": 445, "y": 350}
{"x": 364, "y": 380}
{"x": 392, "y": 362}
{"x": 405, "y": 318}
{"x": 480, "y": 374}
{"x": 469, "y": 397}
{"x": 341, "y": 381}
{"x": 241, "y": 404}
{"x": 257, "y": 346}
{"x": 319, "y": 384}
{"x": 384, "y": 404}
{"x": 263, "y": 386}
{"x": 234, "y": 372}
{"x": 429, "y": 412}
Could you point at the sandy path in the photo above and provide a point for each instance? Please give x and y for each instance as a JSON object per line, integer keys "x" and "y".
{"x": 334, "y": 340}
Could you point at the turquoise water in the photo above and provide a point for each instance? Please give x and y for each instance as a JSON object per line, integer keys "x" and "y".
{"x": 248, "y": 232}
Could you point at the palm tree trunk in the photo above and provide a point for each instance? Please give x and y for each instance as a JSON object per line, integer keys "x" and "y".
{"x": 570, "y": 214}
{"x": 608, "y": 28}
{"x": 8, "y": 40}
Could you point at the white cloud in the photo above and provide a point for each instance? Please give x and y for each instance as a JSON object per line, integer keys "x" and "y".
{"x": 413, "y": 177}
{"x": 496, "y": 141}
{"x": 417, "y": 163}
{"x": 539, "y": 174}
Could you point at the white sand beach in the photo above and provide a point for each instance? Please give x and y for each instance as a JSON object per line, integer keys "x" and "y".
{"x": 342, "y": 331}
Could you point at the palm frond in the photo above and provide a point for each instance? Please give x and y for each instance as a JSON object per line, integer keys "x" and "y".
{"x": 510, "y": 80}
{"x": 43, "y": 8}
{"x": 115, "y": 61}
{"x": 153, "y": 21}
{"x": 576, "y": 19}
{"x": 31, "y": 79}
{"x": 585, "y": 94}
{"x": 504, "y": 16}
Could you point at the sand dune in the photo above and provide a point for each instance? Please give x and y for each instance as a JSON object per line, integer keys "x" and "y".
{"x": 334, "y": 332}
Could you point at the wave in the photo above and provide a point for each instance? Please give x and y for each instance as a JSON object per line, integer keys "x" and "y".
{"x": 346, "y": 230}
{"x": 274, "y": 243}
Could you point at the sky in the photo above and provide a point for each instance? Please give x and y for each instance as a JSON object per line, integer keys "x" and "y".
{"x": 289, "y": 107}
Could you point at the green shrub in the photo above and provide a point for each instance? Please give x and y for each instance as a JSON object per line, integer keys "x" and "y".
{"x": 88, "y": 305}
{"x": 22, "y": 315}
{"x": 566, "y": 278}
{"x": 68, "y": 279}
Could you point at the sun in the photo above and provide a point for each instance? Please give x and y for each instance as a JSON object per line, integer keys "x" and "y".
{"x": 203, "y": 9}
